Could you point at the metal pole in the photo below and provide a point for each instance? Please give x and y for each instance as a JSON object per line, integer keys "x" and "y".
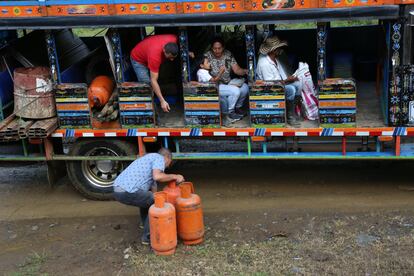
{"x": 117, "y": 54}
{"x": 141, "y": 146}
{"x": 249, "y": 146}
{"x": 397, "y": 145}
{"x": 177, "y": 146}
{"x": 322, "y": 35}
{"x": 185, "y": 59}
{"x": 53, "y": 57}
{"x": 251, "y": 53}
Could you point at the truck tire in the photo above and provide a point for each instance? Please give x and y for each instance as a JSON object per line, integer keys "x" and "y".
{"x": 94, "y": 179}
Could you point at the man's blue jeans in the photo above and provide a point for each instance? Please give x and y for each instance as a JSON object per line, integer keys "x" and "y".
{"x": 232, "y": 97}
{"x": 141, "y": 71}
{"x": 141, "y": 199}
{"x": 292, "y": 90}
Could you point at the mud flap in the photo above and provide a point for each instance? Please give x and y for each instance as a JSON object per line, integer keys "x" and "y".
{"x": 56, "y": 170}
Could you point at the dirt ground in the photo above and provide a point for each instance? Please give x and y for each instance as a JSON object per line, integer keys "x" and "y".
{"x": 261, "y": 217}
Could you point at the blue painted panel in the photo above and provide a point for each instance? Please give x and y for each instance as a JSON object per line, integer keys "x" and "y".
{"x": 200, "y": 113}
{"x": 75, "y": 2}
{"x": 136, "y": 113}
{"x": 6, "y": 88}
{"x": 20, "y": 3}
{"x": 74, "y": 74}
{"x": 267, "y": 112}
{"x": 336, "y": 111}
{"x": 142, "y": 1}
{"x": 284, "y": 154}
{"x": 407, "y": 149}
{"x": 73, "y": 115}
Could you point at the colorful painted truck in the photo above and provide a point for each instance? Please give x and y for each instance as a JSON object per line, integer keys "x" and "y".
{"x": 364, "y": 78}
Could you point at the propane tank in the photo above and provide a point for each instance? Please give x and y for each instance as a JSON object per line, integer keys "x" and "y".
{"x": 100, "y": 91}
{"x": 189, "y": 215}
{"x": 163, "y": 226}
{"x": 173, "y": 191}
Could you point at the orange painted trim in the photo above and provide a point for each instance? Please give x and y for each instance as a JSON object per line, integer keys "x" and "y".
{"x": 213, "y": 6}
{"x": 142, "y": 106}
{"x": 352, "y": 3}
{"x": 62, "y": 107}
{"x": 385, "y": 138}
{"x": 77, "y": 10}
{"x": 403, "y": 2}
{"x": 21, "y": 11}
{"x": 124, "y": 131}
{"x": 398, "y": 145}
{"x": 262, "y": 5}
{"x": 258, "y": 139}
{"x": 344, "y": 145}
{"x": 141, "y": 147}
{"x": 337, "y": 104}
{"x": 156, "y": 8}
{"x": 201, "y": 105}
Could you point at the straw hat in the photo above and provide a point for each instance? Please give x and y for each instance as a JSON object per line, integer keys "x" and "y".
{"x": 271, "y": 44}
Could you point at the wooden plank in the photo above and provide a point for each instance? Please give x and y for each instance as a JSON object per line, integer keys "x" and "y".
{"x": 7, "y": 121}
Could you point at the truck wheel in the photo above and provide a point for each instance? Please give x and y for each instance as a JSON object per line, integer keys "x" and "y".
{"x": 94, "y": 179}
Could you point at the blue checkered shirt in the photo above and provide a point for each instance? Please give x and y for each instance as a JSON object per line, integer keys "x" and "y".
{"x": 138, "y": 175}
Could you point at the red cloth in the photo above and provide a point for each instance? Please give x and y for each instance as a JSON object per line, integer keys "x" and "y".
{"x": 149, "y": 52}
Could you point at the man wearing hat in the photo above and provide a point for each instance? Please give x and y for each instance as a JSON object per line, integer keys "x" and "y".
{"x": 270, "y": 69}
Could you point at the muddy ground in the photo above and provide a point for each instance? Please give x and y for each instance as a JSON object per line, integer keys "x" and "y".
{"x": 261, "y": 217}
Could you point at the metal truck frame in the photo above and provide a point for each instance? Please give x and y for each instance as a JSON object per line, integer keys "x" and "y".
{"x": 94, "y": 157}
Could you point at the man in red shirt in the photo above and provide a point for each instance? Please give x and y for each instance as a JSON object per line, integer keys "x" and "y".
{"x": 150, "y": 53}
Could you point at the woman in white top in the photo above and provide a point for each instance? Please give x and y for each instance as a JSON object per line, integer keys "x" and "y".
{"x": 270, "y": 69}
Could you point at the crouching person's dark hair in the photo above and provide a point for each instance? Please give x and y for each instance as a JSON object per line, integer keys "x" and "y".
{"x": 171, "y": 48}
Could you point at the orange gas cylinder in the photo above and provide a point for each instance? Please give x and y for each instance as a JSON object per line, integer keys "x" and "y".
{"x": 100, "y": 91}
{"x": 189, "y": 215}
{"x": 163, "y": 226}
{"x": 173, "y": 191}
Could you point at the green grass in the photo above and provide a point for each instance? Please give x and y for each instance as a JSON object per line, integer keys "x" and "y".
{"x": 32, "y": 265}
{"x": 320, "y": 246}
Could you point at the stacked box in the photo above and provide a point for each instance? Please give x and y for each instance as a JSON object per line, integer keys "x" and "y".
{"x": 337, "y": 103}
{"x": 267, "y": 104}
{"x": 136, "y": 106}
{"x": 201, "y": 105}
{"x": 72, "y": 105}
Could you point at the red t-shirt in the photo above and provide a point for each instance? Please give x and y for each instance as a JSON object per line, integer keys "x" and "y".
{"x": 149, "y": 52}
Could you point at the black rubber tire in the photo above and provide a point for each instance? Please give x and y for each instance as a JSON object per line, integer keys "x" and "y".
{"x": 98, "y": 65}
{"x": 79, "y": 181}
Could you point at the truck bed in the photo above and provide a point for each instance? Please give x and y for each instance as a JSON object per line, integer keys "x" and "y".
{"x": 368, "y": 111}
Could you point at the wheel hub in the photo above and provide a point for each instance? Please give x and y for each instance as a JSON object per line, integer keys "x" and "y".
{"x": 101, "y": 173}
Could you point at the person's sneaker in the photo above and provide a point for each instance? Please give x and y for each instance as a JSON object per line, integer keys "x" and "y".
{"x": 240, "y": 112}
{"x": 225, "y": 121}
{"x": 233, "y": 117}
{"x": 145, "y": 240}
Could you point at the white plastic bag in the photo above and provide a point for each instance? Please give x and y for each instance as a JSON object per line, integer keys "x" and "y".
{"x": 308, "y": 91}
